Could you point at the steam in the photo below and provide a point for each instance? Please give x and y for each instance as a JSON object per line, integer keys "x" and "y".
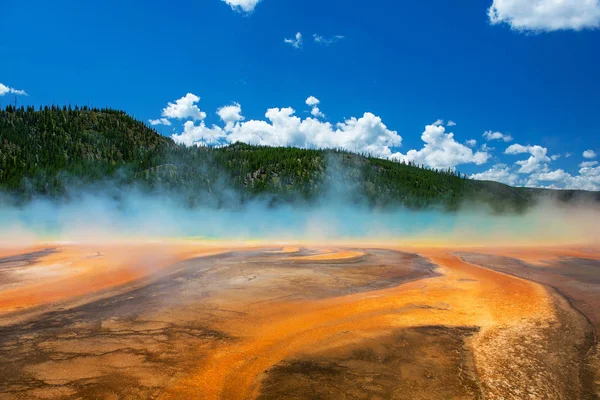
{"x": 93, "y": 215}
{"x": 112, "y": 212}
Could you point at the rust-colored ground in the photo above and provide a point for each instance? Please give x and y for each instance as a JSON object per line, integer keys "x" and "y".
{"x": 188, "y": 320}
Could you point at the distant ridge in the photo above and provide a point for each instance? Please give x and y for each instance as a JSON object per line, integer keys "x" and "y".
{"x": 48, "y": 151}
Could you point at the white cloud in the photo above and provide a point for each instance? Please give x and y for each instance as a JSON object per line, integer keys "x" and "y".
{"x": 160, "y": 121}
{"x": 471, "y": 142}
{"x": 184, "y": 108}
{"x": 555, "y": 157}
{"x": 589, "y": 154}
{"x": 516, "y": 149}
{"x": 230, "y": 114}
{"x": 312, "y": 101}
{"x": 283, "y": 128}
{"x": 296, "y": 41}
{"x": 535, "y": 163}
{"x": 587, "y": 164}
{"x": 246, "y": 6}
{"x": 200, "y": 135}
{"x": 438, "y": 122}
{"x": 568, "y": 155}
{"x": 499, "y": 173}
{"x": 588, "y": 178}
{"x": 315, "y": 111}
{"x": 487, "y": 148}
{"x": 8, "y": 90}
{"x": 442, "y": 151}
{"x": 327, "y": 41}
{"x": 451, "y": 123}
{"x": 546, "y": 15}
{"x": 489, "y": 135}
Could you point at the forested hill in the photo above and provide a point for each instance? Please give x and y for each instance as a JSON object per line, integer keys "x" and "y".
{"x": 50, "y": 151}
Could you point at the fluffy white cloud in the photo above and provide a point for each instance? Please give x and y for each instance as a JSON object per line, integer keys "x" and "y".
{"x": 230, "y": 114}
{"x": 283, "y": 128}
{"x": 546, "y": 15}
{"x": 588, "y": 178}
{"x": 313, "y": 102}
{"x": 327, "y": 41}
{"x": 296, "y": 41}
{"x": 442, "y": 151}
{"x": 535, "y": 163}
{"x": 246, "y": 6}
{"x": 184, "y": 108}
{"x": 8, "y": 90}
{"x": 200, "y": 135}
{"x": 499, "y": 173}
{"x": 489, "y": 136}
{"x": 159, "y": 121}
{"x": 451, "y": 123}
{"x": 368, "y": 134}
{"x": 317, "y": 113}
{"x": 589, "y": 154}
{"x": 516, "y": 149}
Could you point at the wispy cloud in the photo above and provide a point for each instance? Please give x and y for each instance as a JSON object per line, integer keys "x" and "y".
{"x": 159, "y": 121}
{"x": 8, "y": 90}
{"x": 327, "y": 41}
{"x": 296, "y": 41}
{"x": 489, "y": 136}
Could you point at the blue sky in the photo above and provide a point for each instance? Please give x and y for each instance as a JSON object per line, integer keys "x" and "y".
{"x": 497, "y": 66}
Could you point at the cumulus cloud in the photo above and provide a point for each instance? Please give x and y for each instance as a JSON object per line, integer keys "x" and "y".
{"x": 296, "y": 41}
{"x": 315, "y": 112}
{"x": 327, "y": 41}
{"x": 499, "y": 173}
{"x": 245, "y": 6}
{"x": 536, "y": 162}
{"x": 368, "y": 134}
{"x": 230, "y": 114}
{"x": 184, "y": 108}
{"x": 516, "y": 149}
{"x": 589, "y": 154}
{"x": 313, "y": 102}
{"x": 159, "y": 121}
{"x": 489, "y": 136}
{"x": 8, "y": 90}
{"x": 283, "y": 128}
{"x": 442, "y": 151}
{"x": 587, "y": 179}
{"x": 546, "y": 15}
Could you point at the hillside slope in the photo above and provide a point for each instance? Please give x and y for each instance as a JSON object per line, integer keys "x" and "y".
{"x": 52, "y": 150}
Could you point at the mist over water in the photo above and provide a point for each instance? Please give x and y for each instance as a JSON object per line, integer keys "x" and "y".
{"x": 98, "y": 215}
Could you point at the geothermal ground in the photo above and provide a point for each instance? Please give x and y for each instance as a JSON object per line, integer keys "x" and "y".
{"x": 190, "y": 320}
